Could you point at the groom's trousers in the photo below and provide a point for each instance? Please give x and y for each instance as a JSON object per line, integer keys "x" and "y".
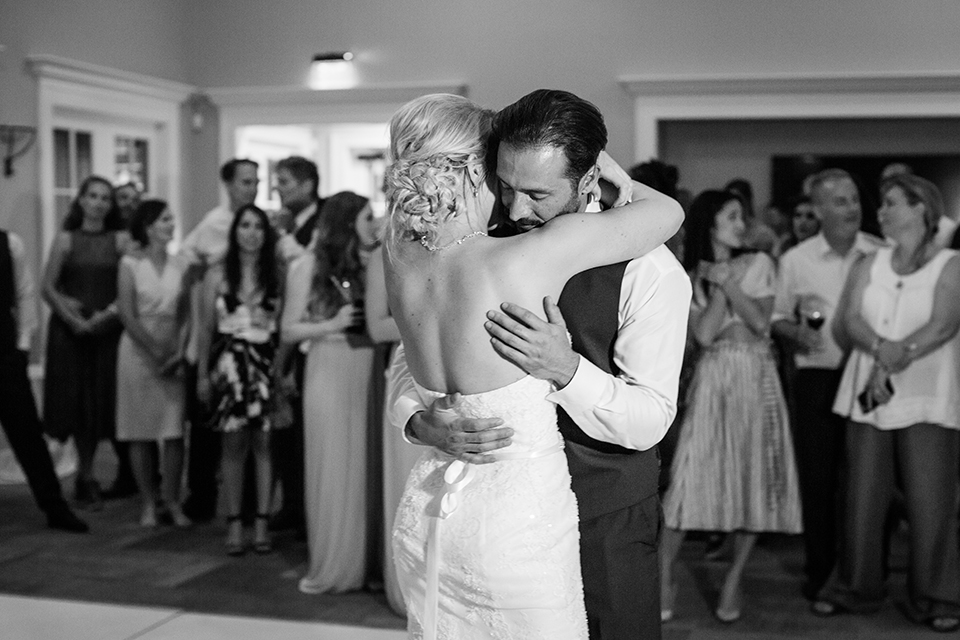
{"x": 621, "y": 572}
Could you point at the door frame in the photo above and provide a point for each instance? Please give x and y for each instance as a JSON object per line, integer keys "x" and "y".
{"x": 66, "y": 88}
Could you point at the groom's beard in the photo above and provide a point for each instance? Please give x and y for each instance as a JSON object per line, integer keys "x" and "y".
{"x": 513, "y": 227}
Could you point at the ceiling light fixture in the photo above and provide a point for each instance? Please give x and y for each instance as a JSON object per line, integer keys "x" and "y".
{"x": 332, "y": 70}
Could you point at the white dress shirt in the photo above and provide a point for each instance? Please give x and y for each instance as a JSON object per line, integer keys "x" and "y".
{"x": 812, "y": 269}
{"x": 26, "y": 304}
{"x": 635, "y": 408}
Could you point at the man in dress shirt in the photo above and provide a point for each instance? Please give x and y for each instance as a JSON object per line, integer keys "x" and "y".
{"x": 18, "y": 410}
{"x": 298, "y": 183}
{"x": 810, "y": 280}
{"x": 616, "y": 386}
{"x": 206, "y": 245}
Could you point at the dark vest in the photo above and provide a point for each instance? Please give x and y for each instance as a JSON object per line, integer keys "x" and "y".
{"x": 8, "y": 298}
{"x": 606, "y": 477}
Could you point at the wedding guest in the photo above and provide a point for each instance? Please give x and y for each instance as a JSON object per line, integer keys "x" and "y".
{"x": 18, "y": 411}
{"x": 235, "y": 372}
{"x": 809, "y": 282}
{"x": 128, "y": 197}
{"x": 900, "y": 312}
{"x": 324, "y": 297}
{"x": 150, "y": 394}
{"x": 80, "y": 285}
{"x": 733, "y": 470}
{"x": 203, "y": 247}
{"x": 298, "y": 186}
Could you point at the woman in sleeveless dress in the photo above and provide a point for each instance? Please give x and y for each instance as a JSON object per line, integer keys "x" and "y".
{"x": 324, "y": 310}
{"x": 900, "y": 390}
{"x": 150, "y": 392}
{"x": 489, "y": 551}
{"x": 80, "y": 285}
{"x": 235, "y": 365}
{"x": 734, "y": 468}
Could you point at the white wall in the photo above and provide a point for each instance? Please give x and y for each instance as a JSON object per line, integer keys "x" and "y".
{"x": 505, "y": 48}
{"x": 143, "y": 36}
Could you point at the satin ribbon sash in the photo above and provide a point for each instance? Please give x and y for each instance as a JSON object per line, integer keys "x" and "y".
{"x": 456, "y": 477}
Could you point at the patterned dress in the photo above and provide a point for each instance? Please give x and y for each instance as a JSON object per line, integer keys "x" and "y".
{"x": 241, "y": 362}
{"x": 734, "y": 467}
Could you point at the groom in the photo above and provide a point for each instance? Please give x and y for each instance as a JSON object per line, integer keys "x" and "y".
{"x": 616, "y": 387}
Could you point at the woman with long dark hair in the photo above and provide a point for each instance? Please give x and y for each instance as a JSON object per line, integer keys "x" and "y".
{"x": 235, "y": 368}
{"x": 325, "y": 289}
{"x": 733, "y": 470}
{"x": 80, "y": 285}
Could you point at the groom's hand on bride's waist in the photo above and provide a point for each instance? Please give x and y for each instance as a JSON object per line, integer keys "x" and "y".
{"x": 468, "y": 439}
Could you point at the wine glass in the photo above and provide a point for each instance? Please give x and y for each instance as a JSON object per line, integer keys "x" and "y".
{"x": 810, "y": 310}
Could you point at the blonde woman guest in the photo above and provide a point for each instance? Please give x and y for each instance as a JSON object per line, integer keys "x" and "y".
{"x": 324, "y": 298}
{"x": 900, "y": 313}
{"x": 150, "y": 393}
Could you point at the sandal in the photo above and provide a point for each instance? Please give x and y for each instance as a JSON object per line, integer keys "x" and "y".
{"x": 261, "y": 541}
{"x": 235, "y": 546}
{"x": 826, "y": 609}
{"x": 944, "y": 624}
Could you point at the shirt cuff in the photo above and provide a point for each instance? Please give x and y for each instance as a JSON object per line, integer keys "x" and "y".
{"x": 584, "y": 388}
{"x": 403, "y": 409}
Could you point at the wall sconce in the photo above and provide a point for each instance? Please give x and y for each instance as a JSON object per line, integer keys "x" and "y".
{"x": 332, "y": 70}
{"x": 17, "y": 139}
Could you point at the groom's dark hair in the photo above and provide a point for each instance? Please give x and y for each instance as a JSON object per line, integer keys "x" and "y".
{"x": 549, "y": 117}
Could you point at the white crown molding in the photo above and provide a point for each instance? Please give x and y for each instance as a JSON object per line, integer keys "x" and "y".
{"x": 297, "y": 95}
{"x": 653, "y": 86}
{"x": 88, "y": 74}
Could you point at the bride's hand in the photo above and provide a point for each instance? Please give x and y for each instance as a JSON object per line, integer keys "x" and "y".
{"x": 614, "y": 174}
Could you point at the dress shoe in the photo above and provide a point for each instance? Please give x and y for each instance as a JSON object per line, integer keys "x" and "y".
{"x": 87, "y": 495}
{"x": 286, "y": 519}
{"x": 64, "y": 519}
{"x": 121, "y": 488}
{"x": 198, "y": 513}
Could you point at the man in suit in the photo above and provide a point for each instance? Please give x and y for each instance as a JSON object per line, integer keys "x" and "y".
{"x": 298, "y": 184}
{"x": 616, "y": 385}
{"x": 205, "y": 245}
{"x": 18, "y": 410}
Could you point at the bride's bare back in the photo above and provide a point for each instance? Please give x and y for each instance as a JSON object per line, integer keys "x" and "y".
{"x": 439, "y": 198}
{"x": 440, "y": 299}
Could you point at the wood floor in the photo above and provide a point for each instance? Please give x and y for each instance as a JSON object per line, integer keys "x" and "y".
{"x": 186, "y": 572}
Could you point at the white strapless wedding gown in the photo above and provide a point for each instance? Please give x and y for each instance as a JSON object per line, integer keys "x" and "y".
{"x": 492, "y": 551}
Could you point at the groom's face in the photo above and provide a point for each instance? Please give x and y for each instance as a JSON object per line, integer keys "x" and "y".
{"x": 534, "y": 185}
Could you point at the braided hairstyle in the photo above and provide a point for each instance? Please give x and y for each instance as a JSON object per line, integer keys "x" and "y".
{"x": 434, "y": 141}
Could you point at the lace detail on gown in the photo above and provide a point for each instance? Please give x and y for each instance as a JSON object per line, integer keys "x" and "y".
{"x": 509, "y": 551}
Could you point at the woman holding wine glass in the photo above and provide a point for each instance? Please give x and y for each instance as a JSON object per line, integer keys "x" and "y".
{"x": 733, "y": 470}
{"x": 324, "y": 312}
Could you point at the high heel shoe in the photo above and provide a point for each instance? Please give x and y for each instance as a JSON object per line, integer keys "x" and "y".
{"x": 235, "y": 546}
{"x": 729, "y": 612}
{"x": 668, "y": 598}
{"x": 180, "y": 519}
{"x": 261, "y": 541}
{"x": 148, "y": 516}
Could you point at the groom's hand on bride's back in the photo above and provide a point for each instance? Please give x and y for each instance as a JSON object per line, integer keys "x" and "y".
{"x": 469, "y": 439}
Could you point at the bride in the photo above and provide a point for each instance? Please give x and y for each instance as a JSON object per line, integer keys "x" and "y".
{"x": 488, "y": 551}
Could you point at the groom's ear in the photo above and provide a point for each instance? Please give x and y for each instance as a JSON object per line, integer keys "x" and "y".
{"x": 589, "y": 180}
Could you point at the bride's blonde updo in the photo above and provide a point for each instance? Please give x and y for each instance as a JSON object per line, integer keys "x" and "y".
{"x": 434, "y": 141}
